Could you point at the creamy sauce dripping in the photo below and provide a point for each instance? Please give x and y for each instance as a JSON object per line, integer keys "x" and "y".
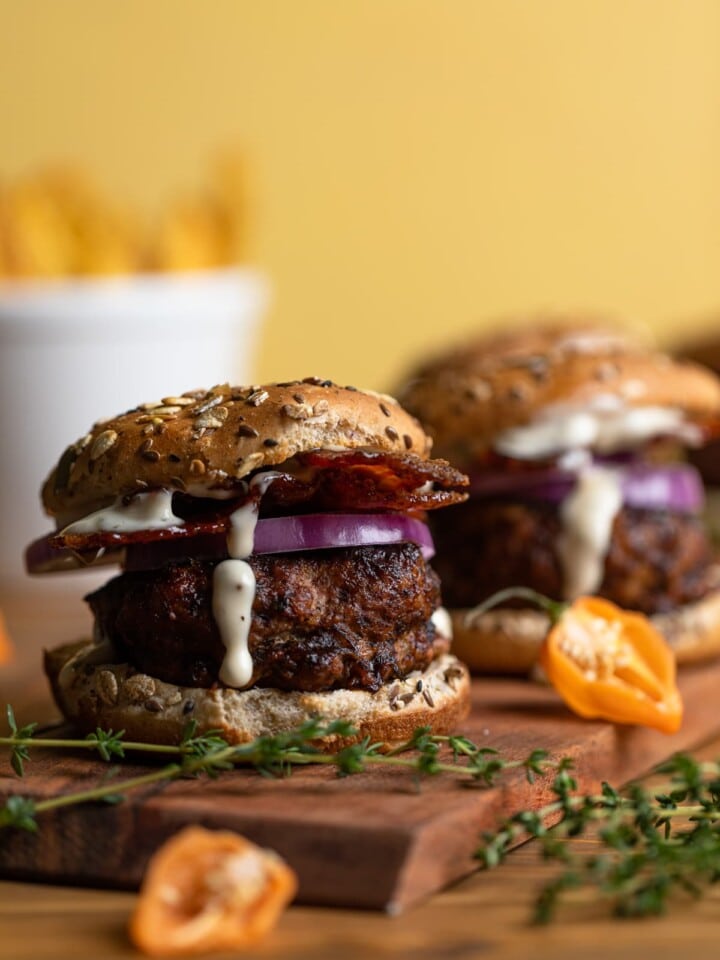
{"x": 571, "y": 433}
{"x": 141, "y": 511}
{"x": 588, "y": 515}
{"x": 608, "y": 427}
{"x": 232, "y": 600}
{"x": 442, "y": 623}
{"x": 234, "y": 587}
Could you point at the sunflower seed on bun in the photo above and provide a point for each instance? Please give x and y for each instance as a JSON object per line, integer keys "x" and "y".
{"x": 211, "y": 439}
{"x": 274, "y": 566}
{"x": 573, "y": 435}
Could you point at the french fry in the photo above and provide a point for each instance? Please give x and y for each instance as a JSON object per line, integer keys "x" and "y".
{"x": 57, "y": 224}
{"x": 192, "y": 236}
{"x": 38, "y": 239}
{"x": 229, "y": 187}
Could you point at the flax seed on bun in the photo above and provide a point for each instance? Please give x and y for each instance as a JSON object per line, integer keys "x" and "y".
{"x": 214, "y": 438}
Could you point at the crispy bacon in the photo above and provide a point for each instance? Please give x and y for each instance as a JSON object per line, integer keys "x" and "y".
{"x": 356, "y": 481}
{"x": 89, "y": 543}
{"x": 362, "y": 480}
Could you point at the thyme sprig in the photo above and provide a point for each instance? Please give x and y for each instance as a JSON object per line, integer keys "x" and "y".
{"x": 18, "y": 741}
{"x": 423, "y": 753}
{"x": 649, "y": 845}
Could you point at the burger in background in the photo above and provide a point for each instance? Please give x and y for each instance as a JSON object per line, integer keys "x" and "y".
{"x": 275, "y": 567}
{"x": 706, "y": 459}
{"x": 573, "y": 437}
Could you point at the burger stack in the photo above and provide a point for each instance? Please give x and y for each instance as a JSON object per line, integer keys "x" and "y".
{"x": 574, "y": 440}
{"x": 274, "y": 566}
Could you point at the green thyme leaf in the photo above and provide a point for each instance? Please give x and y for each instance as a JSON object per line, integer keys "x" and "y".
{"x": 19, "y": 812}
{"x": 108, "y": 744}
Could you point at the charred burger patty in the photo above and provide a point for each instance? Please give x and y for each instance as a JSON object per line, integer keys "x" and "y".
{"x": 353, "y": 618}
{"x": 657, "y": 560}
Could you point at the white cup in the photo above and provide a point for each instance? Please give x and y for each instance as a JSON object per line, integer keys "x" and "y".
{"x": 76, "y": 351}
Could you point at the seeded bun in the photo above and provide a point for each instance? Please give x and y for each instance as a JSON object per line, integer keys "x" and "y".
{"x": 94, "y": 693}
{"x": 465, "y": 397}
{"x": 504, "y": 641}
{"x": 213, "y": 438}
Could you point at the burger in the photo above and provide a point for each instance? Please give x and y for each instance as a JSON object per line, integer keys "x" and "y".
{"x": 274, "y": 562}
{"x": 706, "y": 350}
{"x": 574, "y": 439}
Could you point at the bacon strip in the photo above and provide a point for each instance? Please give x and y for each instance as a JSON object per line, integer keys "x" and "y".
{"x": 355, "y": 481}
{"x": 90, "y": 542}
{"x": 361, "y": 480}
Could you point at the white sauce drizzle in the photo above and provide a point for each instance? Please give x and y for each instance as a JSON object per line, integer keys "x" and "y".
{"x": 588, "y": 514}
{"x": 607, "y": 427}
{"x": 241, "y": 533}
{"x": 233, "y": 579}
{"x": 442, "y": 623}
{"x": 232, "y": 600}
{"x": 141, "y": 511}
{"x": 234, "y": 588}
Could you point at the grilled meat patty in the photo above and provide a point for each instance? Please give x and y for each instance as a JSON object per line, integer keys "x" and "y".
{"x": 344, "y": 618}
{"x": 657, "y": 560}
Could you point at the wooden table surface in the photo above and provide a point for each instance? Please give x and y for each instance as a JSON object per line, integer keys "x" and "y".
{"x": 485, "y": 915}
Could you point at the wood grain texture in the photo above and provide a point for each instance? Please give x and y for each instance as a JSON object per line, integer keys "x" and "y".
{"x": 483, "y": 916}
{"x": 373, "y": 840}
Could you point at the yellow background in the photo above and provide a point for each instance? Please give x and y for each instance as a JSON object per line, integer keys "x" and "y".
{"x": 417, "y": 166}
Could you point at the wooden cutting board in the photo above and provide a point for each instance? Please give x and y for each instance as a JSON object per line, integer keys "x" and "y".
{"x": 373, "y": 840}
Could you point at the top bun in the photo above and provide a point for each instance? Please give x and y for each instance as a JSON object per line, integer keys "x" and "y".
{"x": 211, "y": 439}
{"x": 467, "y": 396}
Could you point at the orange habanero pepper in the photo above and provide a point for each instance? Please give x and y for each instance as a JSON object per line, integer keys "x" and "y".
{"x": 209, "y": 890}
{"x": 611, "y": 664}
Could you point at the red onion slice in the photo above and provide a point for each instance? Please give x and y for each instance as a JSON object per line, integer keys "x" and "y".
{"x": 319, "y": 531}
{"x": 675, "y": 486}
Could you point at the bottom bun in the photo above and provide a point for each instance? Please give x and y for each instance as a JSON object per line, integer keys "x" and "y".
{"x": 508, "y": 641}
{"x": 92, "y": 692}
